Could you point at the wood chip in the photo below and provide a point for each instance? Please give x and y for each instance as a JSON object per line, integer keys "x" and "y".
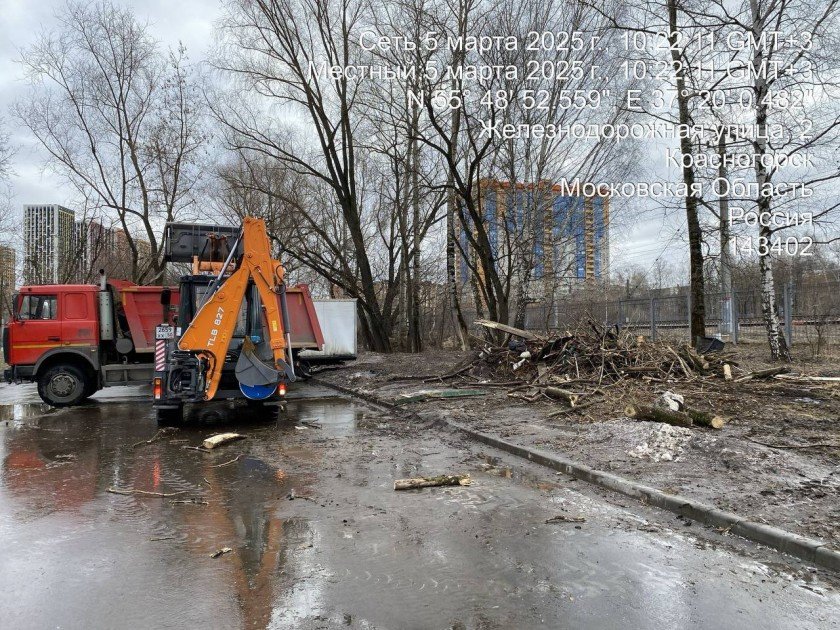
{"x": 215, "y": 441}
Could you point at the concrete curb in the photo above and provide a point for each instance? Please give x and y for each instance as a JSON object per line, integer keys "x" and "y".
{"x": 810, "y": 550}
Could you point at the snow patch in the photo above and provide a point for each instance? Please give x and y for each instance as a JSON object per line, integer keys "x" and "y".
{"x": 662, "y": 444}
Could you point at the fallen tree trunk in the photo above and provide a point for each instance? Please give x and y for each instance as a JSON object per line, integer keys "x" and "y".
{"x": 221, "y": 439}
{"x": 431, "y": 482}
{"x": 518, "y": 332}
{"x": 645, "y": 412}
{"x": 562, "y": 394}
{"x": 802, "y": 377}
{"x": 764, "y": 373}
{"x": 705, "y": 419}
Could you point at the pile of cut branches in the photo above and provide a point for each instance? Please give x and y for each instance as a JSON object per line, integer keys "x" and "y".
{"x": 576, "y": 368}
{"x": 594, "y": 354}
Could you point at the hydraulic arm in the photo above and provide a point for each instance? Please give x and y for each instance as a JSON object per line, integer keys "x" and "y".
{"x": 210, "y": 333}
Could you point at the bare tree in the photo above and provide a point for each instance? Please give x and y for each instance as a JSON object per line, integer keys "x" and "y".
{"x": 7, "y": 152}
{"x": 777, "y": 98}
{"x": 282, "y": 52}
{"x": 119, "y": 119}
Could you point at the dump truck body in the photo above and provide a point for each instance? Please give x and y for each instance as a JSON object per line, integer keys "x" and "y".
{"x": 74, "y": 339}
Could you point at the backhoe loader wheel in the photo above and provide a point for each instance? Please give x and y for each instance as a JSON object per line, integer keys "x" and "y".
{"x": 63, "y": 386}
{"x": 170, "y": 417}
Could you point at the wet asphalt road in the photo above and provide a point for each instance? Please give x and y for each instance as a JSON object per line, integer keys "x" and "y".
{"x": 319, "y": 539}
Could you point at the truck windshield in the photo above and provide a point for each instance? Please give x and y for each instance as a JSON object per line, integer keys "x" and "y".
{"x": 37, "y": 307}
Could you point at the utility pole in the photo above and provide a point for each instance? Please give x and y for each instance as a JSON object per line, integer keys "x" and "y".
{"x": 727, "y": 304}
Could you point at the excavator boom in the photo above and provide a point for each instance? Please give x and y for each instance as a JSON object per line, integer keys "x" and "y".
{"x": 210, "y": 333}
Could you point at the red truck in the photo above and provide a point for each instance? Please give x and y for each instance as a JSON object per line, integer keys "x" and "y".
{"x": 75, "y": 339}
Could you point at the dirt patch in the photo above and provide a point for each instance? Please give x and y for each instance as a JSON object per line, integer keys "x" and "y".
{"x": 765, "y": 464}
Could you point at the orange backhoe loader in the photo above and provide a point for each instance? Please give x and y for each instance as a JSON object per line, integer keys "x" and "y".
{"x": 233, "y": 337}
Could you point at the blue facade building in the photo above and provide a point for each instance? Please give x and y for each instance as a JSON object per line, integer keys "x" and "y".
{"x": 568, "y": 236}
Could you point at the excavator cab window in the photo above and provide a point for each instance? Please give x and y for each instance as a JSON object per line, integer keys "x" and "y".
{"x": 241, "y": 320}
{"x": 193, "y": 291}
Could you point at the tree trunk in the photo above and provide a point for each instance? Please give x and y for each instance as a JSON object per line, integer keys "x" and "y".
{"x": 415, "y": 334}
{"x": 727, "y": 304}
{"x": 695, "y": 234}
{"x": 655, "y": 414}
{"x": 775, "y": 338}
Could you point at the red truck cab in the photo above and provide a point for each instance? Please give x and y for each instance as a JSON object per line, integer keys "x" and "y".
{"x": 52, "y": 318}
{"x": 74, "y": 339}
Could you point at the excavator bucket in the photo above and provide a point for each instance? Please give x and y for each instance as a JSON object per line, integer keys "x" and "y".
{"x": 257, "y": 380}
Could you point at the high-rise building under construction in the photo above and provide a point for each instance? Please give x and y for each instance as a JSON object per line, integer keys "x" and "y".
{"x": 559, "y": 240}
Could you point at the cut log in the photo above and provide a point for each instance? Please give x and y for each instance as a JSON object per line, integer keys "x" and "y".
{"x": 727, "y": 372}
{"x": 764, "y": 373}
{"x": 431, "y": 482}
{"x": 705, "y": 419}
{"x": 694, "y": 359}
{"x": 641, "y": 369}
{"x": 562, "y": 394}
{"x": 221, "y": 439}
{"x": 816, "y": 379}
{"x": 518, "y": 332}
{"x": 645, "y": 412}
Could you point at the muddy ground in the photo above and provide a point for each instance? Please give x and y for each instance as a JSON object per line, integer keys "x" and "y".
{"x": 761, "y": 465}
{"x": 316, "y": 537}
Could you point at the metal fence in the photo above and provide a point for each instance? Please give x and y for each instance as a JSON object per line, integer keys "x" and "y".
{"x": 809, "y": 313}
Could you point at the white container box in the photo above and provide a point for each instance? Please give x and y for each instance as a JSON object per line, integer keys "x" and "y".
{"x": 338, "y": 325}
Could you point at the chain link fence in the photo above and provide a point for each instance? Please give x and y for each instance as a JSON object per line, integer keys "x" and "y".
{"x": 809, "y": 313}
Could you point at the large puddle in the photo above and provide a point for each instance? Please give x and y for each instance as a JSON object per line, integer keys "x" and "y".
{"x": 87, "y": 475}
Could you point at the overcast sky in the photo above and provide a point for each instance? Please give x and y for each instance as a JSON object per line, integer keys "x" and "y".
{"x": 637, "y": 242}
{"x": 188, "y": 21}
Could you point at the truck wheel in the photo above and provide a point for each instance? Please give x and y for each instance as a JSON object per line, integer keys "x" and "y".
{"x": 304, "y": 369}
{"x": 63, "y": 386}
{"x": 91, "y": 389}
{"x": 170, "y": 417}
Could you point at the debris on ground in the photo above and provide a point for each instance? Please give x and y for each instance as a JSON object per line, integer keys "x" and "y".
{"x": 428, "y": 394}
{"x": 562, "y": 518}
{"x": 664, "y": 444}
{"x": 162, "y": 433}
{"x": 145, "y": 493}
{"x": 772, "y": 439}
{"x": 221, "y": 552}
{"x": 593, "y": 364}
{"x": 431, "y": 482}
{"x": 227, "y": 463}
{"x": 214, "y": 441}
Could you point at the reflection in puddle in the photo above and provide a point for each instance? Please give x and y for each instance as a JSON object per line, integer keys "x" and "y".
{"x": 57, "y": 466}
{"x": 23, "y": 411}
{"x": 332, "y": 416}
